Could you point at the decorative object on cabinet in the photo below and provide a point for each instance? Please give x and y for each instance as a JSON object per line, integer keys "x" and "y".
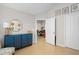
{"x": 7, "y": 51}
{"x": 65, "y": 10}
{"x": 74, "y": 7}
{"x": 7, "y": 28}
{"x": 18, "y": 41}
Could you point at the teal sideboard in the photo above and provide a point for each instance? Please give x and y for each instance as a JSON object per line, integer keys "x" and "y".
{"x": 18, "y": 40}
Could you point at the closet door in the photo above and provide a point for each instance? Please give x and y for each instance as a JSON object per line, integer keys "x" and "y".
{"x": 74, "y": 42}
{"x": 67, "y": 29}
{"x": 72, "y": 30}
{"x": 50, "y": 31}
{"x": 60, "y": 31}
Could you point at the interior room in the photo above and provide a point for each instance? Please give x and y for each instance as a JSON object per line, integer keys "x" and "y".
{"x": 39, "y": 29}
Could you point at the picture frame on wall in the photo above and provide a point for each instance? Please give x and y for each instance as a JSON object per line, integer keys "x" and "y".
{"x": 65, "y": 10}
{"x": 16, "y": 25}
{"x": 74, "y": 7}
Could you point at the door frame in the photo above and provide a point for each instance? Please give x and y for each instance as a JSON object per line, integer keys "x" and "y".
{"x": 36, "y": 37}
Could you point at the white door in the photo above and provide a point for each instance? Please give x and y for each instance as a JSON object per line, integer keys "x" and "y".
{"x": 50, "y": 31}
{"x": 72, "y": 30}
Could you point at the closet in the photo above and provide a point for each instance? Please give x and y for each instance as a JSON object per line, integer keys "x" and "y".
{"x": 72, "y": 30}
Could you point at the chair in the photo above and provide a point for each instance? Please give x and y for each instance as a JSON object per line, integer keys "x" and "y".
{"x": 7, "y": 51}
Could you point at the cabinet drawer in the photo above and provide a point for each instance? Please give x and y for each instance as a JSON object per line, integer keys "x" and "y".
{"x": 24, "y": 40}
{"x": 18, "y": 41}
{"x": 9, "y": 41}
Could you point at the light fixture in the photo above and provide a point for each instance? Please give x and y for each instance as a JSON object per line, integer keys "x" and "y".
{"x": 6, "y": 25}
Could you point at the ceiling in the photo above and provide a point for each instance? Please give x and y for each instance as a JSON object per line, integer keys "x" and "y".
{"x": 30, "y": 8}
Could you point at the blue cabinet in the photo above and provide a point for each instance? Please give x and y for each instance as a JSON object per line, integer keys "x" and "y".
{"x": 29, "y": 37}
{"x": 24, "y": 40}
{"x": 9, "y": 41}
{"x": 18, "y": 41}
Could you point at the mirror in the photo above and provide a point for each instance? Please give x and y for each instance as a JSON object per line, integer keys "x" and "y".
{"x": 16, "y": 25}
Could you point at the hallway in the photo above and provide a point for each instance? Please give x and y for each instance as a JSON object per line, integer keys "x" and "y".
{"x": 43, "y": 48}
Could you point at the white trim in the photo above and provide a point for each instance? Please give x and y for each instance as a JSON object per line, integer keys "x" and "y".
{"x": 60, "y": 45}
{"x": 72, "y": 48}
{"x": 65, "y": 43}
{"x": 35, "y": 41}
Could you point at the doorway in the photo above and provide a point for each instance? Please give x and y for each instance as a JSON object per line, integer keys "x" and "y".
{"x": 41, "y": 31}
{"x": 46, "y": 31}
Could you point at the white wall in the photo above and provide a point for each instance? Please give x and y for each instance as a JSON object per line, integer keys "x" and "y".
{"x": 42, "y": 16}
{"x": 8, "y": 14}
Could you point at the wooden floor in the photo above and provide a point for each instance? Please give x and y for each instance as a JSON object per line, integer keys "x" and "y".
{"x": 42, "y": 48}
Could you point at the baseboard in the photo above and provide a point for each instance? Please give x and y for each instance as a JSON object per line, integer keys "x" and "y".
{"x": 34, "y": 42}
{"x": 60, "y": 45}
{"x": 73, "y": 48}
